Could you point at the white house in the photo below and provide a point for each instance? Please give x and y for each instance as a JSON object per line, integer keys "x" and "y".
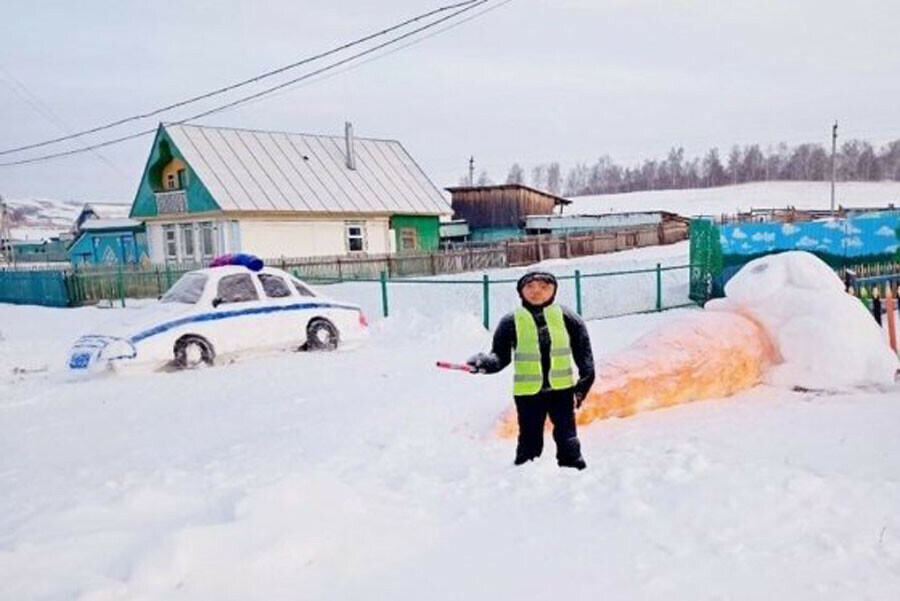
{"x": 208, "y": 191}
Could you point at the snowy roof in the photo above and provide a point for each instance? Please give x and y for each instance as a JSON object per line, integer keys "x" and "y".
{"x": 109, "y": 224}
{"x": 248, "y": 170}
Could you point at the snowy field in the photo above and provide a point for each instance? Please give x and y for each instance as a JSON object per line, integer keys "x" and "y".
{"x": 601, "y": 296}
{"x": 367, "y": 473}
{"x": 731, "y": 199}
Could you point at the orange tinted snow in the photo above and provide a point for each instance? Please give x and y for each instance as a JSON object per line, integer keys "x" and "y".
{"x": 707, "y": 355}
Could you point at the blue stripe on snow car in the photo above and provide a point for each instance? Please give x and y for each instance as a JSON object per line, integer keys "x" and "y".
{"x": 229, "y": 314}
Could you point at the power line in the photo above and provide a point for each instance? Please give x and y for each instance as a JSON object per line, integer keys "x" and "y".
{"x": 243, "y": 83}
{"x": 419, "y": 40}
{"x": 31, "y": 99}
{"x": 245, "y": 99}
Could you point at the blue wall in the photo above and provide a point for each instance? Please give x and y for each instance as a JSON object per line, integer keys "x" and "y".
{"x": 865, "y": 235}
{"x": 866, "y": 238}
{"x": 109, "y": 248}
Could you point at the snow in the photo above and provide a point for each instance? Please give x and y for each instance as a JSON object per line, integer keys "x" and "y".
{"x": 601, "y": 296}
{"x": 368, "y": 473}
{"x": 732, "y": 199}
{"x": 823, "y": 337}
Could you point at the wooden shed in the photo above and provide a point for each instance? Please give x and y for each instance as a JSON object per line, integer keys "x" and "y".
{"x": 502, "y": 207}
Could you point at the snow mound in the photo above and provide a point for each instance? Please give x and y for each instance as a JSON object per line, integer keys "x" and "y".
{"x": 824, "y": 337}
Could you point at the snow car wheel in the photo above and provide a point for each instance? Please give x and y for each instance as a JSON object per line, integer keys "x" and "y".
{"x": 193, "y": 351}
{"x": 321, "y": 335}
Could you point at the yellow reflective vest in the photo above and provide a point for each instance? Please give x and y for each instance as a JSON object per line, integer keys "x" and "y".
{"x": 529, "y": 373}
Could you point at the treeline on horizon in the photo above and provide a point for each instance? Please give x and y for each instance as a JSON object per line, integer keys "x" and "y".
{"x": 855, "y": 160}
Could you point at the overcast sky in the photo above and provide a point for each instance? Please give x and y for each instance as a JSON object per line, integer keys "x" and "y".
{"x": 532, "y": 81}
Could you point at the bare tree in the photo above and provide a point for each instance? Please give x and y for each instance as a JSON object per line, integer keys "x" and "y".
{"x": 554, "y": 178}
{"x": 539, "y": 177}
{"x": 577, "y": 180}
{"x": 734, "y": 164}
{"x": 516, "y": 175}
{"x": 484, "y": 179}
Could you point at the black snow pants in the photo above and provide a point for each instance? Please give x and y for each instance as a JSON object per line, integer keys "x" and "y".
{"x": 532, "y": 413}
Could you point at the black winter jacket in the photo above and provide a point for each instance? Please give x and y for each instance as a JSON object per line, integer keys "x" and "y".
{"x": 505, "y": 341}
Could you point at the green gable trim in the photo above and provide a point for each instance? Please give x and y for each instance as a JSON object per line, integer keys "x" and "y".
{"x": 199, "y": 200}
{"x": 427, "y": 230}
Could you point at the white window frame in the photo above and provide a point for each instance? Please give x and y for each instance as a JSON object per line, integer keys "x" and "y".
{"x": 211, "y": 226}
{"x": 183, "y": 229}
{"x": 171, "y": 227}
{"x": 348, "y": 225}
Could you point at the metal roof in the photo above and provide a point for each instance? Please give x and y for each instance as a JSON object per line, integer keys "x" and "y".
{"x": 248, "y": 170}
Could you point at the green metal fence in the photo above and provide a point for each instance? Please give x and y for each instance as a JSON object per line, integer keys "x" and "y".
{"x": 592, "y": 295}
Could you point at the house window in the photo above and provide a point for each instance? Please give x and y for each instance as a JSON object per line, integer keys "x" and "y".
{"x": 182, "y": 179}
{"x": 170, "y": 181}
{"x": 187, "y": 241}
{"x": 409, "y": 239}
{"x": 356, "y": 237}
{"x": 207, "y": 240}
{"x": 171, "y": 242}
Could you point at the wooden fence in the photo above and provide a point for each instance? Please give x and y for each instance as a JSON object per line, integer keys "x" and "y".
{"x": 90, "y": 284}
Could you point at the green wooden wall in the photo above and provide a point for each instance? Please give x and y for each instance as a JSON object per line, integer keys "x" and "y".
{"x": 427, "y": 228}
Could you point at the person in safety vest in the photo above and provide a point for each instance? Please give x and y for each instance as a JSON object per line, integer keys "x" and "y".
{"x": 545, "y": 342}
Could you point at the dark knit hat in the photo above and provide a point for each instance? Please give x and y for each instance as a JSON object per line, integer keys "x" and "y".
{"x": 536, "y": 275}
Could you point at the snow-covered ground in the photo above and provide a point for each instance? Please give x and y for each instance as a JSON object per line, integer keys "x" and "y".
{"x": 367, "y": 473}
{"x": 731, "y": 199}
{"x": 601, "y": 296}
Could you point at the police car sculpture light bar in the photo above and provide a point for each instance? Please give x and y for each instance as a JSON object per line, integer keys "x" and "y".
{"x": 251, "y": 262}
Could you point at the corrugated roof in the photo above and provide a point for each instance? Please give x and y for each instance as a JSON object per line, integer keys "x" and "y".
{"x": 248, "y": 170}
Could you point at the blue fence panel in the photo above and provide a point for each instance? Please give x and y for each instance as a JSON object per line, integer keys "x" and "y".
{"x": 47, "y": 288}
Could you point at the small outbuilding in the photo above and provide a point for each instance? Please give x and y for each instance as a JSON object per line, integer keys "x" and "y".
{"x": 499, "y": 212}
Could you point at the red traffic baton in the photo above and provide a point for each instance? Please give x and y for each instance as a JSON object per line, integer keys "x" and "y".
{"x": 456, "y": 366}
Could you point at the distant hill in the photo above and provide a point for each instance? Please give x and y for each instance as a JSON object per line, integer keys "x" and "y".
{"x": 742, "y": 197}
{"x": 39, "y": 218}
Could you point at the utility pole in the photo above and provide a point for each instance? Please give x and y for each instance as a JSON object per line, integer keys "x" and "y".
{"x": 5, "y": 241}
{"x": 833, "y": 165}
{"x": 471, "y": 171}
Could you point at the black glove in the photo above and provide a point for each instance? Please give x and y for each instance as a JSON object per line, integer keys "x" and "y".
{"x": 478, "y": 362}
{"x": 579, "y": 398}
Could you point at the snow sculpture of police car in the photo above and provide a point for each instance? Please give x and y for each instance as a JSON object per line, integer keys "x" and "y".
{"x": 236, "y": 304}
